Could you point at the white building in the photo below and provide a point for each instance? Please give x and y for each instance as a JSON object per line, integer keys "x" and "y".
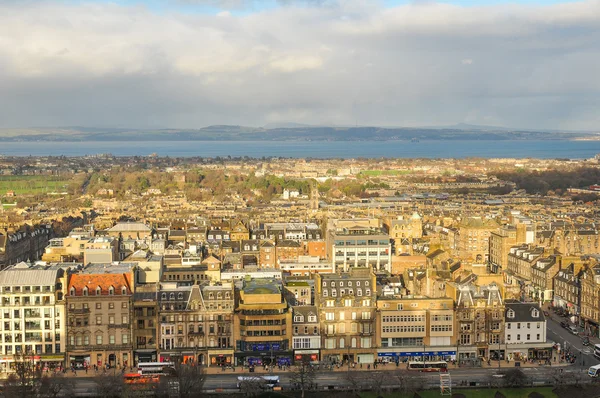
{"x": 525, "y": 331}
{"x": 33, "y": 314}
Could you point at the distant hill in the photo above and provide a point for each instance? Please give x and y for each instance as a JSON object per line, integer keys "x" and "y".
{"x": 282, "y": 133}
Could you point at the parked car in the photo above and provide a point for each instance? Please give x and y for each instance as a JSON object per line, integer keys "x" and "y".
{"x": 585, "y": 340}
{"x": 563, "y": 324}
{"x": 573, "y": 329}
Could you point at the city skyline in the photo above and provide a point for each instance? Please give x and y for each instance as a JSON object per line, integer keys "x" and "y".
{"x": 190, "y": 64}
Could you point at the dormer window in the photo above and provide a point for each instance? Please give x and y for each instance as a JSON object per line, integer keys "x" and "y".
{"x": 98, "y": 291}
{"x": 298, "y": 318}
{"x": 72, "y": 291}
{"x": 535, "y": 313}
{"x": 510, "y": 314}
{"x": 111, "y": 291}
{"x": 85, "y": 291}
{"x": 123, "y": 290}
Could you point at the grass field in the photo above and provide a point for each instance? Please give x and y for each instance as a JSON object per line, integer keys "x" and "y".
{"x": 474, "y": 393}
{"x": 25, "y": 185}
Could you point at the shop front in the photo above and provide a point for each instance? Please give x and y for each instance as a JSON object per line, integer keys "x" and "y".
{"x": 42, "y": 362}
{"x": 389, "y": 355}
{"x": 306, "y": 356}
{"x": 258, "y": 358}
{"x": 220, "y": 358}
{"x": 533, "y": 351}
{"x": 146, "y": 355}
{"x": 80, "y": 361}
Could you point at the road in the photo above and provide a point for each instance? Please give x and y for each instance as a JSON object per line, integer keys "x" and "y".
{"x": 585, "y": 354}
{"x": 86, "y": 386}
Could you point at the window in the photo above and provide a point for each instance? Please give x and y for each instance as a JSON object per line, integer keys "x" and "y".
{"x": 98, "y": 306}
{"x": 125, "y": 338}
{"x": 85, "y": 291}
{"x": 111, "y": 291}
{"x": 348, "y": 303}
{"x": 98, "y": 291}
{"x": 86, "y": 339}
{"x": 518, "y": 325}
{"x": 124, "y": 304}
{"x": 518, "y": 337}
{"x": 528, "y": 337}
{"x": 111, "y": 339}
{"x": 508, "y": 337}
{"x": 538, "y": 325}
{"x": 508, "y": 325}
{"x": 538, "y": 337}
{"x": 329, "y": 316}
{"x": 124, "y": 319}
{"x": 111, "y": 306}
{"x": 111, "y": 320}
{"x": 98, "y": 339}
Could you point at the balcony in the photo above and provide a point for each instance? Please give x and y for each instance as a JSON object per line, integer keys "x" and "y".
{"x": 104, "y": 347}
{"x": 118, "y": 326}
{"x": 79, "y": 311}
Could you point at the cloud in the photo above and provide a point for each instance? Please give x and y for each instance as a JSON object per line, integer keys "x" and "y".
{"x": 315, "y": 62}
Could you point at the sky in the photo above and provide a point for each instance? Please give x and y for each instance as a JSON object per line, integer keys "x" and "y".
{"x": 193, "y": 63}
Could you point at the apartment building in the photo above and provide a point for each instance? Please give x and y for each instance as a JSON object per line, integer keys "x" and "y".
{"x": 480, "y": 320}
{"x": 415, "y": 328}
{"x": 306, "y": 338}
{"x": 262, "y": 324}
{"x": 473, "y": 238}
{"x": 590, "y": 298}
{"x": 520, "y": 261}
{"x": 101, "y": 249}
{"x": 145, "y": 323}
{"x": 33, "y": 312}
{"x": 567, "y": 291}
{"x": 99, "y": 329}
{"x": 219, "y": 305}
{"x": 347, "y": 313}
{"x": 542, "y": 278}
{"x": 525, "y": 332}
{"x": 358, "y": 246}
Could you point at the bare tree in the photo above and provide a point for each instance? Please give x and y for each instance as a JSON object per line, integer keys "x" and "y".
{"x": 251, "y": 386}
{"x": 303, "y": 378}
{"x": 109, "y": 386}
{"x": 354, "y": 380}
{"x": 54, "y": 385}
{"x": 377, "y": 381}
{"x": 408, "y": 382}
{"x": 515, "y": 378}
{"x": 185, "y": 381}
{"x": 24, "y": 381}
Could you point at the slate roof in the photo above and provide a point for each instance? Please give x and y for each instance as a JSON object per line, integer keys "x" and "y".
{"x": 523, "y": 312}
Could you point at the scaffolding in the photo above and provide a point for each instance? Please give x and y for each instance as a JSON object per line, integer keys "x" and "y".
{"x": 445, "y": 384}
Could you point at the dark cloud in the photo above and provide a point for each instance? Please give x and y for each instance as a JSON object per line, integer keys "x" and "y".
{"x": 426, "y": 64}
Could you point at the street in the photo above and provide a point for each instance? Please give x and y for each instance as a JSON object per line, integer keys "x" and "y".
{"x": 227, "y": 382}
{"x": 569, "y": 341}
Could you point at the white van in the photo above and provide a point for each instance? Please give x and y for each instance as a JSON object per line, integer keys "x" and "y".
{"x": 594, "y": 371}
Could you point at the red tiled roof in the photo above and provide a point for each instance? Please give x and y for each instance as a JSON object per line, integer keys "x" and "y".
{"x": 104, "y": 281}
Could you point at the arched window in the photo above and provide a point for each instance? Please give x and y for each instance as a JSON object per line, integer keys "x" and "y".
{"x": 98, "y": 291}
{"x": 172, "y": 296}
{"x": 164, "y": 296}
{"x": 85, "y": 291}
{"x": 180, "y": 296}
{"x": 123, "y": 290}
{"x": 72, "y": 291}
{"x": 111, "y": 291}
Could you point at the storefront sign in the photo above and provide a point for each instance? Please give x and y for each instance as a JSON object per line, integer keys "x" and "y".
{"x": 415, "y": 354}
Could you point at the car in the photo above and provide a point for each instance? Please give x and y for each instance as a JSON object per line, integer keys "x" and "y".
{"x": 546, "y": 313}
{"x": 585, "y": 340}
{"x": 573, "y": 329}
{"x": 563, "y": 324}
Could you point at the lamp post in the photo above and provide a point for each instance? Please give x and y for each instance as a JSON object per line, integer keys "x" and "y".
{"x": 499, "y": 353}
